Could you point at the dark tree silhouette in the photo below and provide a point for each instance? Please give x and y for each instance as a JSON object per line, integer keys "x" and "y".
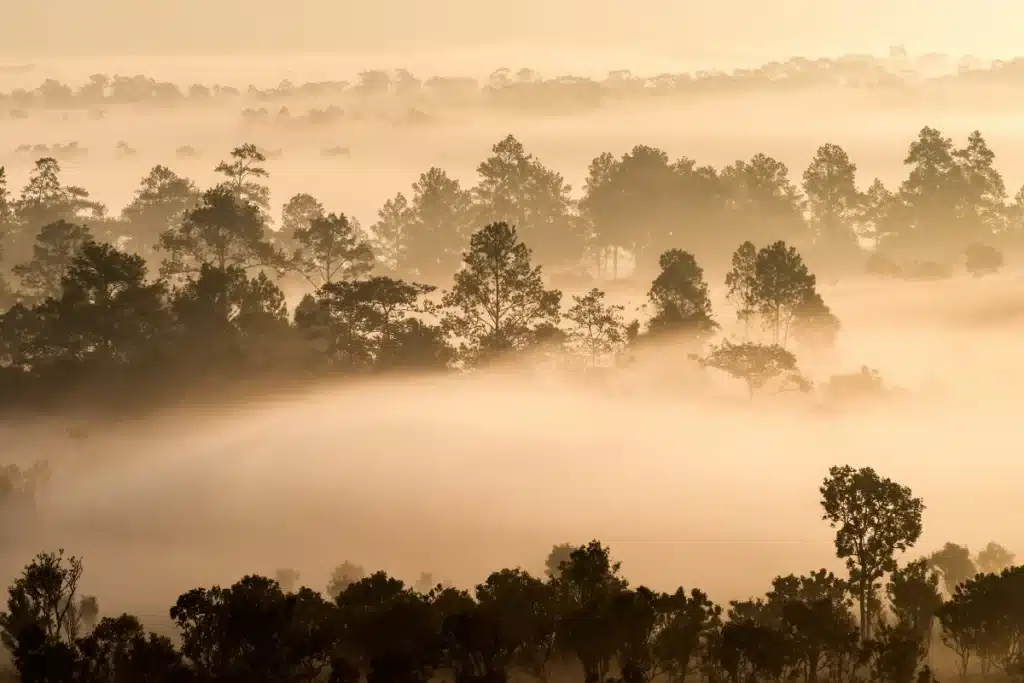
{"x": 874, "y": 518}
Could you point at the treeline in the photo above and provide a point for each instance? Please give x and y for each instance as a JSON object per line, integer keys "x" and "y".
{"x": 87, "y": 310}
{"x": 526, "y": 86}
{"x": 581, "y": 620}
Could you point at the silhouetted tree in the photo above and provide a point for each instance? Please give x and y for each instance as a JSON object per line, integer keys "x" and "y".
{"x": 222, "y": 231}
{"x": 244, "y": 177}
{"x": 679, "y": 297}
{"x": 498, "y": 302}
{"x": 874, "y": 518}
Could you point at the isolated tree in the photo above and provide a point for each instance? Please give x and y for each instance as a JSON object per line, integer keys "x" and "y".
{"x": 498, "y": 302}
{"x": 221, "y": 231}
{"x": 994, "y": 558}
{"x": 679, "y": 297}
{"x": 757, "y": 365}
{"x": 245, "y": 177}
{"x": 332, "y": 249}
{"x": 597, "y": 328}
{"x": 874, "y": 518}
{"x": 57, "y": 244}
{"x": 954, "y": 563}
{"x": 159, "y": 205}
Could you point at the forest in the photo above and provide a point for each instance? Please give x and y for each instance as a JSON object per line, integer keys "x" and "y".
{"x": 185, "y": 289}
{"x": 890, "y": 620}
{"x": 191, "y": 291}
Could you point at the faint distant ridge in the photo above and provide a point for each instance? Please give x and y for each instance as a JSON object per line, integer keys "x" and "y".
{"x": 17, "y": 68}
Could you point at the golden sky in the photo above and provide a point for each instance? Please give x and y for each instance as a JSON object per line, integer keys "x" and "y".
{"x": 56, "y": 28}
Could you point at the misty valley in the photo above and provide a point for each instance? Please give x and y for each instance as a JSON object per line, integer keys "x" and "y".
{"x": 299, "y": 383}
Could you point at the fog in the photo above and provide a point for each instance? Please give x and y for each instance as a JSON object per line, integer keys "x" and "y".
{"x": 458, "y": 476}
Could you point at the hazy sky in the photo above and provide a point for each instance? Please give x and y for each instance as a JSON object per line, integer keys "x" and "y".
{"x": 57, "y": 28}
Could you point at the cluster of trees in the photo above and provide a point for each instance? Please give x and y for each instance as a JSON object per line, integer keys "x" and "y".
{"x": 582, "y": 618}
{"x": 508, "y": 87}
{"x": 82, "y": 304}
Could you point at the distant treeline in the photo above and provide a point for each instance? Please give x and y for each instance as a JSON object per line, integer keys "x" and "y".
{"x": 526, "y": 87}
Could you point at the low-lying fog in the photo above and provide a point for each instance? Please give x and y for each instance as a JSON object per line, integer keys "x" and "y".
{"x": 688, "y": 483}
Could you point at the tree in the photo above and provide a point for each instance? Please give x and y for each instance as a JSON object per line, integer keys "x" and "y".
{"x": 764, "y": 204}
{"x": 994, "y": 558}
{"x": 108, "y": 314}
{"x": 332, "y": 249}
{"x": 982, "y": 259}
{"x": 679, "y": 297}
{"x": 118, "y": 650}
{"x": 221, "y": 231}
{"x": 44, "y": 597}
{"x": 525, "y": 610}
{"x": 57, "y": 244}
{"x": 914, "y": 598}
{"x": 160, "y": 203}
{"x": 597, "y": 328}
{"x": 559, "y": 555}
{"x": 954, "y": 563}
{"x": 372, "y": 321}
{"x": 391, "y": 233}
{"x": 756, "y": 365}
{"x": 740, "y": 282}
{"x": 515, "y": 188}
{"x": 830, "y": 184}
{"x": 253, "y": 631}
{"x": 781, "y": 286}
{"x": 586, "y": 586}
{"x": 45, "y": 199}
{"x": 429, "y": 237}
{"x": 298, "y": 214}
{"x": 498, "y": 302}
{"x": 343, "y": 576}
{"x": 245, "y": 174}
{"x": 874, "y": 518}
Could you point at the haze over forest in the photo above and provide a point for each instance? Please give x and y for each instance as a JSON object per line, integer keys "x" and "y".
{"x": 433, "y": 288}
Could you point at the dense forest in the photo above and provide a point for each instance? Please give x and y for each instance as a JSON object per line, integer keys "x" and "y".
{"x": 184, "y": 290}
{"x": 890, "y": 620}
